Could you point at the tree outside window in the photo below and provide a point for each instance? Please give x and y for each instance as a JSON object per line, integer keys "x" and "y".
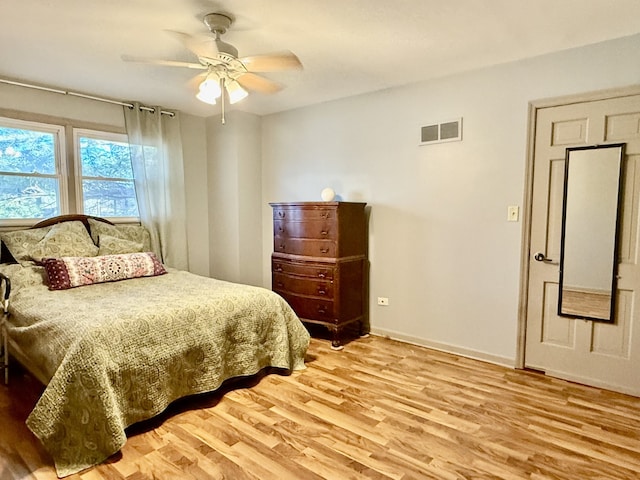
{"x": 30, "y": 170}
{"x": 107, "y": 177}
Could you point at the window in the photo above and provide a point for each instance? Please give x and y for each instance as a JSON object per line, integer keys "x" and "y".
{"x": 39, "y": 179}
{"x": 106, "y": 186}
{"x": 32, "y": 174}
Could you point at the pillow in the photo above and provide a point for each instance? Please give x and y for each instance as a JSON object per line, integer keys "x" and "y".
{"x": 109, "y": 245}
{"x": 69, "y": 272}
{"x": 133, "y": 233}
{"x": 66, "y": 239}
{"x": 20, "y": 242}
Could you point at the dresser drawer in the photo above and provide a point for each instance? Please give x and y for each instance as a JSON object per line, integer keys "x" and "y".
{"x": 303, "y": 269}
{"x": 304, "y": 246}
{"x": 302, "y": 285}
{"x": 297, "y": 214}
{"x": 305, "y": 229}
{"x": 309, "y": 308}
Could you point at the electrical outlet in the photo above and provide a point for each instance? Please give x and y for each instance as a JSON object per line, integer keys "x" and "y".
{"x": 513, "y": 213}
{"x": 384, "y": 301}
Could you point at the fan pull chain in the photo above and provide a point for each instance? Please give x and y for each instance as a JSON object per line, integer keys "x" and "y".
{"x": 222, "y": 99}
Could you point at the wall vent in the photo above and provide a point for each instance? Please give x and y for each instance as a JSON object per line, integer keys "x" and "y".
{"x": 449, "y": 131}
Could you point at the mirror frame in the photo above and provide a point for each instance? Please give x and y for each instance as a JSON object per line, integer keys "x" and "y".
{"x": 616, "y": 233}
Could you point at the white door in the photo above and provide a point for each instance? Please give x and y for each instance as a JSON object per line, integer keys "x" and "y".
{"x": 594, "y": 353}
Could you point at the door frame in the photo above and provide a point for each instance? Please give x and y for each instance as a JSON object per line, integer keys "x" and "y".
{"x": 525, "y": 252}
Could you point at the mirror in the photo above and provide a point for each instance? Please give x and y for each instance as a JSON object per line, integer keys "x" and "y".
{"x": 588, "y": 251}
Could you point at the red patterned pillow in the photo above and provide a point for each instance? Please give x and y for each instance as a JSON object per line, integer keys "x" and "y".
{"x": 69, "y": 272}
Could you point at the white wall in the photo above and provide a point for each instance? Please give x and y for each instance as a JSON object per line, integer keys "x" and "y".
{"x": 235, "y": 195}
{"x": 441, "y": 248}
{"x": 194, "y": 151}
{"x": 40, "y": 102}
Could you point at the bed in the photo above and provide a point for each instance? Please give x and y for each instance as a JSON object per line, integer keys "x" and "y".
{"x": 113, "y": 353}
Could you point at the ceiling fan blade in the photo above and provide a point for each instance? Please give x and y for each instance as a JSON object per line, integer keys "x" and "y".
{"x": 201, "y": 46}
{"x": 194, "y": 83}
{"x": 251, "y": 81}
{"x": 166, "y": 63}
{"x": 272, "y": 62}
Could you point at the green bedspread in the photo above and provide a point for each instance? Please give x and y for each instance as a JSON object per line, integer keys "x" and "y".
{"x": 118, "y": 353}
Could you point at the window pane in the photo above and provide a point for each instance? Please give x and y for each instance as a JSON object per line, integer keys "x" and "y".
{"x": 106, "y": 198}
{"x": 28, "y": 197}
{"x": 27, "y": 151}
{"x": 105, "y": 158}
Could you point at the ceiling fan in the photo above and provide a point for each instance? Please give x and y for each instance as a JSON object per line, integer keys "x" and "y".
{"x": 223, "y": 70}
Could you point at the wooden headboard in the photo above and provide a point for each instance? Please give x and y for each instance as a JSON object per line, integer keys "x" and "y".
{"x": 73, "y": 217}
{"x": 5, "y": 255}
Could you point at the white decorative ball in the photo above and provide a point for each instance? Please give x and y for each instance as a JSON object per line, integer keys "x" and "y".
{"x": 328, "y": 194}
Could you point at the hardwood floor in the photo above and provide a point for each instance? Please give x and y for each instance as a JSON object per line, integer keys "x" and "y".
{"x": 379, "y": 409}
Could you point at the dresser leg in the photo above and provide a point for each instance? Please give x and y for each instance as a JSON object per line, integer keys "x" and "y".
{"x": 364, "y": 332}
{"x": 336, "y": 344}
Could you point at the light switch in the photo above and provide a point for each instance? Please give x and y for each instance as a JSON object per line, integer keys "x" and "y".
{"x": 513, "y": 213}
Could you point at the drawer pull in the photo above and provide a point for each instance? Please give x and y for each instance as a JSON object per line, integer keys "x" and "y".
{"x": 322, "y": 310}
{"x": 324, "y": 214}
{"x": 281, "y": 214}
{"x": 280, "y": 229}
{"x": 322, "y": 292}
{"x": 278, "y": 268}
{"x": 280, "y": 284}
{"x": 324, "y": 232}
{"x": 281, "y": 246}
{"x": 324, "y": 250}
{"x": 321, "y": 275}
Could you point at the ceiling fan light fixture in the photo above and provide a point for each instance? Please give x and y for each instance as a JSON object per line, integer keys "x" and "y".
{"x": 235, "y": 91}
{"x": 211, "y": 85}
{"x": 209, "y": 90}
{"x": 205, "y": 97}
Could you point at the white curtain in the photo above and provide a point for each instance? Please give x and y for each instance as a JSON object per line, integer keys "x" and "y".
{"x": 156, "y": 155}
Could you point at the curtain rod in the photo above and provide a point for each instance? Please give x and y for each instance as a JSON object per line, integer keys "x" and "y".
{"x": 82, "y": 95}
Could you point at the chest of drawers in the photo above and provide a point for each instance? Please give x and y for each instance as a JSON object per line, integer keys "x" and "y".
{"x": 319, "y": 263}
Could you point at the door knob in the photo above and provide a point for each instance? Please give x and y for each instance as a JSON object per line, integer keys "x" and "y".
{"x": 539, "y": 257}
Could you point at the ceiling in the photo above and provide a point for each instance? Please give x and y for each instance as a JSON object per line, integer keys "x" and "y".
{"x": 347, "y": 47}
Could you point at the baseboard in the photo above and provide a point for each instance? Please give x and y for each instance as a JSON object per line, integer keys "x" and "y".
{"x": 444, "y": 347}
{"x": 593, "y": 383}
